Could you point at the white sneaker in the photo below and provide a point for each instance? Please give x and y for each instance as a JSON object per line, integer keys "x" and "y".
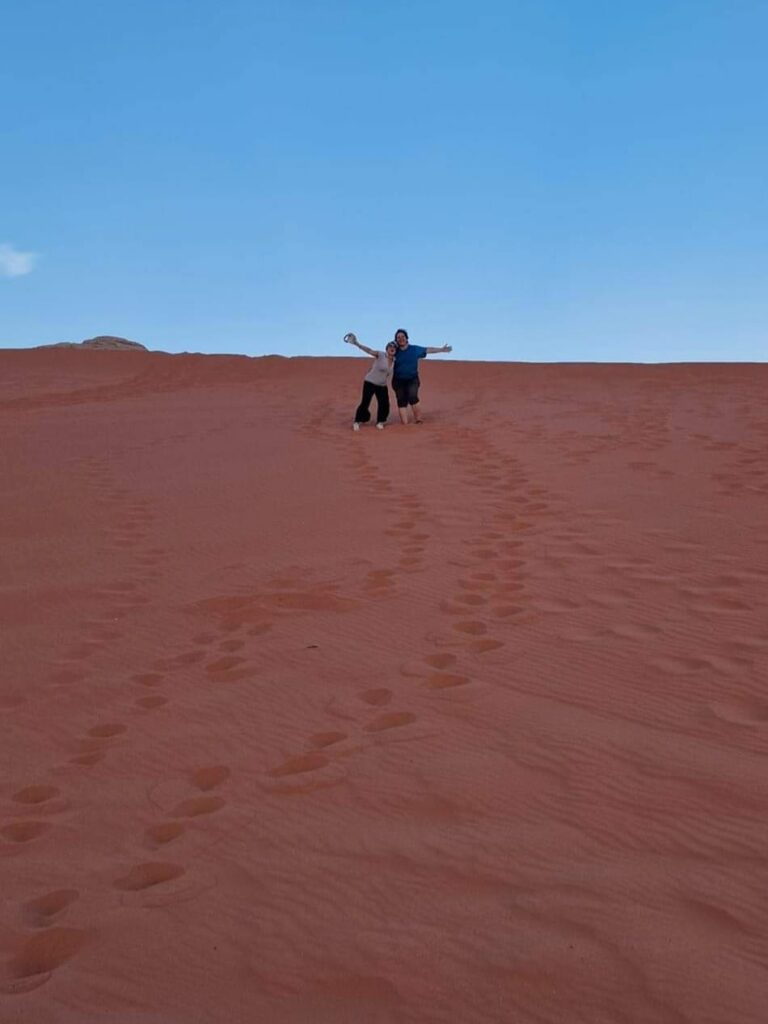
{"x": 355, "y": 426}
{"x": 379, "y": 426}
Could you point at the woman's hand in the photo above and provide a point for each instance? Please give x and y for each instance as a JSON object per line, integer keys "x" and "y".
{"x": 350, "y": 338}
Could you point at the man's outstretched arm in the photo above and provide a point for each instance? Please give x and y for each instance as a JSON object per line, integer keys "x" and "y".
{"x": 441, "y": 348}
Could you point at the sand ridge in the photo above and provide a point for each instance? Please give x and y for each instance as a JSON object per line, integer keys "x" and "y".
{"x": 461, "y": 722}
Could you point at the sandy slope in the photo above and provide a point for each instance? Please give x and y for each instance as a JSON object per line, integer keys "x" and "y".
{"x": 462, "y": 723}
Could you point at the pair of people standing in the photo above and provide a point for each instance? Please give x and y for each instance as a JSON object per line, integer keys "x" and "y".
{"x": 398, "y": 363}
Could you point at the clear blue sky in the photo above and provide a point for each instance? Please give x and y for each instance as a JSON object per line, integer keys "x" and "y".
{"x": 536, "y": 180}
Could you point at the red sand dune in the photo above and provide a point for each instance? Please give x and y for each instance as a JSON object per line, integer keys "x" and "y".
{"x": 464, "y": 722}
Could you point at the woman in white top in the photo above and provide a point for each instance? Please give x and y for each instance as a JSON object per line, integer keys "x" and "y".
{"x": 375, "y": 382}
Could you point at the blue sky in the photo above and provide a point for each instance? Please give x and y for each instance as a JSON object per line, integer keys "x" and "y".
{"x": 536, "y": 180}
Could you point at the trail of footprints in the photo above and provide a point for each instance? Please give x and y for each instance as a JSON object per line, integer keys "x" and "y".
{"x": 49, "y": 942}
{"x": 40, "y": 952}
{"x": 491, "y": 587}
{"x": 148, "y": 882}
{"x": 139, "y": 884}
{"x": 412, "y": 541}
{"x": 127, "y": 532}
{"x": 479, "y": 592}
{"x": 373, "y": 713}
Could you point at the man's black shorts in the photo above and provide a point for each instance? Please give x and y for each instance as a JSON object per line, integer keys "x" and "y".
{"x": 406, "y": 391}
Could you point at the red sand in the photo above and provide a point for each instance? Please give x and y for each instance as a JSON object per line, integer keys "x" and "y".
{"x": 464, "y": 722}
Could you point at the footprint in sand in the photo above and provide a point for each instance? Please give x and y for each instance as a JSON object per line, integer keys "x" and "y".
{"x": 473, "y": 585}
{"x": 679, "y": 666}
{"x": 452, "y": 609}
{"x": 82, "y": 651}
{"x": 203, "y": 779}
{"x": 151, "y": 703}
{"x": 181, "y": 660}
{"x": 196, "y": 806}
{"x": 231, "y": 645}
{"x": 410, "y": 563}
{"x": 510, "y": 564}
{"x": 43, "y": 911}
{"x": 508, "y": 611}
{"x": 483, "y": 646}
{"x": 88, "y": 759}
{"x": 741, "y": 711}
{"x": 392, "y": 720}
{"x": 39, "y": 956}
{"x": 163, "y": 832}
{"x": 299, "y": 765}
{"x": 209, "y": 778}
{"x": 107, "y": 730}
{"x": 376, "y": 697}
{"x": 445, "y": 680}
{"x": 117, "y": 590}
{"x": 404, "y": 526}
{"x": 147, "y": 560}
{"x": 472, "y": 628}
{"x": 92, "y": 749}
{"x": 35, "y": 794}
{"x": 231, "y": 625}
{"x": 380, "y": 575}
{"x": 147, "y": 875}
{"x": 326, "y": 739}
{"x": 507, "y": 589}
{"x": 23, "y": 831}
{"x": 484, "y": 553}
{"x": 260, "y": 629}
{"x": 223, "y": 667}
{"x": 440, "y": 661}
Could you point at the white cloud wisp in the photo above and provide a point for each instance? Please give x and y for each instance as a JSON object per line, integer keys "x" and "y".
{"x": 14, "y": 263}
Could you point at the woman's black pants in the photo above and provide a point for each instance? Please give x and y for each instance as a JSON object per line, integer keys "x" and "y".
{"x": 362, "y": 413}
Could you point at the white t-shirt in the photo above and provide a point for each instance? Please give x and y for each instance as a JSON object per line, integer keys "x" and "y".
{"x": 381, "y": 371}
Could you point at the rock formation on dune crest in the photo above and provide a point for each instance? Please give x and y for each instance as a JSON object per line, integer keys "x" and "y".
{"x": 101, "y": 341}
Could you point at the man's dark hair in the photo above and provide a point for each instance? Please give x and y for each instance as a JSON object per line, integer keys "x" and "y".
{"x": 402, "y": 330}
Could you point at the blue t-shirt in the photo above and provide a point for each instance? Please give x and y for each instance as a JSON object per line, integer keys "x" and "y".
{"x": 407, "y": 361}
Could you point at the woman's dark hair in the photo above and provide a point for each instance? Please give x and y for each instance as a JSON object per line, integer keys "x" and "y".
{"x": 402, "y": 330}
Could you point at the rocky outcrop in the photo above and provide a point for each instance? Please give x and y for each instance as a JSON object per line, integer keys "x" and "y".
{"x": 103, "y": 341}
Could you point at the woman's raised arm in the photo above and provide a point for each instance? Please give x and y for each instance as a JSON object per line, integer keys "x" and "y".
{"x": 352, "y": 340}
